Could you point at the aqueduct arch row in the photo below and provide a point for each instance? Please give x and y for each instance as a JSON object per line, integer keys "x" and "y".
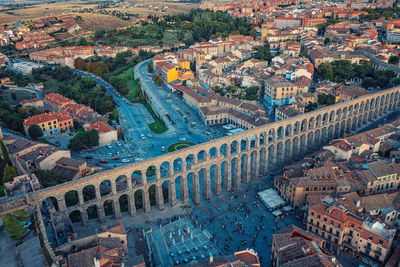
{"x": 215, "y": 166}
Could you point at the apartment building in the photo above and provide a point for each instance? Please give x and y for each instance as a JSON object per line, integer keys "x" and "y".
{"x": 279, "y": 91}
{"x": 293, "y": 246}
{"x": 344, "y": 228}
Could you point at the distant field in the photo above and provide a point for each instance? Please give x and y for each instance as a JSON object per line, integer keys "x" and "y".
{"x": 149, "y": 8}
{"x": 42, "y": 10}
{"x": 92, "y": 22}
{"x": 97, "y": 20}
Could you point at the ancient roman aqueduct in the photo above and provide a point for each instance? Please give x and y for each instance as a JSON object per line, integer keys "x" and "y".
{"x": 227, "y": 162}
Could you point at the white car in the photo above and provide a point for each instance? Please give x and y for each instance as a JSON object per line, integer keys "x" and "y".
{"x": 125, "y": 160}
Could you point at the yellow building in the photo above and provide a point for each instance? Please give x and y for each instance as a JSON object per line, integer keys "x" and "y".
{"x": 46, "y": 121}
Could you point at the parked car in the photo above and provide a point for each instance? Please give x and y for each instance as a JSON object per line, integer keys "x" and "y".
{"x": 125, "y": 160}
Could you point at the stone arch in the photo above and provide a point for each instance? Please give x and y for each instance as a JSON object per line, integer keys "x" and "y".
{"x": 223, "y": 150}
{"x": 253, "y": 141}
{"x": 318, "y": 121}
{"x": 310, "y": 141}
{"x": 92, "y": 212}
{"x": 296, "y": 128}
{"x": 201, "y": 156}
{"x": 89, "y": 193}
{"x": 342, "y": 128}
{"x": 121, "y": 183}
{"x": 139, "y": 199}
{"x": 215, "y": 179}
{"x": 303, "y": 126}
{"x": 165, "y": 191}
{"x": 179, "y": 188}
{"x": 348, "y": 125}
{"x": 152, "y": 194}
{"x": 243, "y": 143}
{"x": 190, "y": 160}
{"x": 288, "y": 151}
{"x": 338, "y": 114}
{"x": 165, "y": 169}
{"x": 331, "y": 116}
{"x": 271, "y": 135}
{"x": 51, "y": 203}
{"x": 235, "y": 172}
{"x": 75, "y": 216}
{"x": 245, "y": 167}
{"x": 177, "y": 165}
{"x": 311, "y": 123}
{"x": 234, "y": 147}
{"x": 336, "y": 132}
{"x": 151, "y": 172}
{"x": 263, "y": 161}
{"x": 356, "y": 109}
{"x": 124, "y": 203}
{"x": 108, "y": 206}
{"x": 344, "y": 114}
{"x": 204, "y": 183}
{"x": 279, "y": 154}
{"x": 330, "y": 132}
{"x": 71, "y": 198}
{"x": 137, "y": 178}
{"x": 213, "y": 152}
{"x": 324, "y": 135}
{"x": 295, "y": 148}
{"x": 317, "y": 138}
{"x": 105, "y": 188}
{"x": 225, "y": 176}
{"x": 303, "y": 145}
{"x": 288, "y": 130}
{"x": 279, "y": 133}
{"x": 325, "y": 118}
{"x": 262, "y": 138}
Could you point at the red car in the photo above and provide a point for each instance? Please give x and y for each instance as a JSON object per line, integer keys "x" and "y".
{"x": 117, "y": 158}
{"x": 103, "y": 161}
{"x": 187, "y": 112}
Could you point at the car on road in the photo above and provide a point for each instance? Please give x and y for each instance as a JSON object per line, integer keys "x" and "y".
{"x": 143, "y": 137}
{"x": 88, "y": 157}
{"x": 116, "y": 158}
{"x": 125, "y": 160}
{"x": 103, "y": 161}
{"x": 187, "y": 112}
{"x": 163, "y": 149}
{"x": 149, "y": 135}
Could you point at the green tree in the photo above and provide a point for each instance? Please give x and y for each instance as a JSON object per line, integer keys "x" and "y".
{"x": 327, "y": 41}
{"x": 396, "y": 81}
{"x": 99, "y": 34}
{"x": 394, "y": 60}
{"x": 14, "y": 96}
{"x": 9, "y": 173}
{"x": 35, "y": 132}
{"x": 4, "y": 151}
{"x": 149, "y": 67}
{"x": 263, "y": 53}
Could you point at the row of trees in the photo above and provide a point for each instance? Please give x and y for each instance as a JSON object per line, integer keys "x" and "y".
{"x": 343, "y": 71}
{"x": 83, "y": 90}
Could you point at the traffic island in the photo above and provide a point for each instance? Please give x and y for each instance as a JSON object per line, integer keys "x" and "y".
{"x": 179, "y": 146}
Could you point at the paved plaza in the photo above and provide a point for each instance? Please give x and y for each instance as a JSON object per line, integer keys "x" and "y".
{"x": 180, "y": 242}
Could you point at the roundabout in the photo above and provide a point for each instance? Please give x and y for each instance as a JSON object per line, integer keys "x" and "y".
{"x": 179, "y": 146}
